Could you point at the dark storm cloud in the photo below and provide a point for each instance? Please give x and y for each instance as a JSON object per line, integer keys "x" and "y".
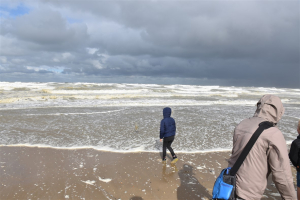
{"x": 227, "y": 42}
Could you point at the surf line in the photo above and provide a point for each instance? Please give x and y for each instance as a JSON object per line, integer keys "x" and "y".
{"x": 90, "y": 113}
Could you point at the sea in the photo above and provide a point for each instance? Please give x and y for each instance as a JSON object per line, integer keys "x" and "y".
{"x": 126, "y": 117}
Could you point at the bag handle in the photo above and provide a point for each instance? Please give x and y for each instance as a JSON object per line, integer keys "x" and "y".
{"x": 262, "y": 126}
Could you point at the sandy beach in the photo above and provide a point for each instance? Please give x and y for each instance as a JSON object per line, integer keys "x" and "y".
{"x": 48, "y": 173}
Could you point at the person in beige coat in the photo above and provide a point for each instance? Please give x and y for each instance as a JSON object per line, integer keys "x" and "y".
{"x": 268, "y": 155}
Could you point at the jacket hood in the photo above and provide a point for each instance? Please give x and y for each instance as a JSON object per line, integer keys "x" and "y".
{"x": 167, "y": 112}
{"x": 269, "y": 107}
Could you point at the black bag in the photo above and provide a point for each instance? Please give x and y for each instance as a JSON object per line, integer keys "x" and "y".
{"x": 224, "y": 187}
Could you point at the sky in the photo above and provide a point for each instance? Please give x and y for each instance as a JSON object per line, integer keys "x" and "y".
{"x": 197, "y": 42}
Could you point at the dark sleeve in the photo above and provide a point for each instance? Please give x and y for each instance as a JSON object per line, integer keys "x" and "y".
{"x": 293, "y": 155}
{"x": 175, "y": 125}
{"x": 162, "y": 129}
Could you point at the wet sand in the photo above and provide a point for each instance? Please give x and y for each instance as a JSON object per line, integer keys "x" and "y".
{"x": 47, "y": 173}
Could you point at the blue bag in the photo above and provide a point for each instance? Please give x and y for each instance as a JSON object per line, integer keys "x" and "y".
{"x": 224, "y": 187}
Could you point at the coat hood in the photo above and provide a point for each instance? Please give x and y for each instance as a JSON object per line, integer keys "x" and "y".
{"x": 167, "y": 112}
{"x": 270, "y": 108}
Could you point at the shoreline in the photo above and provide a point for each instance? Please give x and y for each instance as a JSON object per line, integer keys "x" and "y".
{"x": 110, "y": 150}
{"x": 46, "y": 172}
{"x": 288, "y": 143}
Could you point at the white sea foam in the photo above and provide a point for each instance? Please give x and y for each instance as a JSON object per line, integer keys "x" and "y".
{"x": 19, "y": 103}
{"x": 85, "y": 113}
{"x": 24, "y": 93}
{"x": 105, "y": 180}
{"x": 89, "y": 182}
{"x": 108, "y": 149}
{"x": 103, "y": 116}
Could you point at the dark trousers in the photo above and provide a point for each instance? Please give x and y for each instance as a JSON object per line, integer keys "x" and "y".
{"x": 167, "y": 144}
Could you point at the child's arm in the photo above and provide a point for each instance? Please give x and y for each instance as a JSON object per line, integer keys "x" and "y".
{"x": 162, "y": 130}
{"x": 175, "y": 125}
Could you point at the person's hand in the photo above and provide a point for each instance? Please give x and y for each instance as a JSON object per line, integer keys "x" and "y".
{"x": 161, "y": 140}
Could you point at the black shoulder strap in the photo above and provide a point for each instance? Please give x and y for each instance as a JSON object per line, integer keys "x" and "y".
{"x": 262, "y": 126}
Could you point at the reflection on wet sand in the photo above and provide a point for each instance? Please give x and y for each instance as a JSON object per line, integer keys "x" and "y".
{"x": 170, "y": 172}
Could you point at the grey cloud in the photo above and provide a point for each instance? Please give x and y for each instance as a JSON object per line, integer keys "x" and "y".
{"x": 231, "y": 42}
{"x": 45, "y": 29}
{"x": 201, "y": 29}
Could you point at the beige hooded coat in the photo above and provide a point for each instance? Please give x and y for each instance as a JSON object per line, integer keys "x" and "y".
{"x": 269, "y": 154}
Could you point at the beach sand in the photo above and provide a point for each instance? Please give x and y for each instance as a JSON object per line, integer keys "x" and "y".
{"x": 48, "y": 173}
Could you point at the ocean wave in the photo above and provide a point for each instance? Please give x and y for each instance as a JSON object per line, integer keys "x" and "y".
{"x": 55, "y": 102}
{"x": 85, "y": 113}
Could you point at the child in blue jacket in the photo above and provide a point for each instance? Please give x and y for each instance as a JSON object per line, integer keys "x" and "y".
{"x": 167, "y": 133}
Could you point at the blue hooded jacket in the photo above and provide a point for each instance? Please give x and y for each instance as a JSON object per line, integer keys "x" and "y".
{"x": 167, "y": 125}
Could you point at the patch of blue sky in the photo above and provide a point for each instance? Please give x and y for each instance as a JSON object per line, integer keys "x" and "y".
{"x": 73, "y": 21}
{"x": 55, "y": 69}
{"x": 19, "y": 10}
